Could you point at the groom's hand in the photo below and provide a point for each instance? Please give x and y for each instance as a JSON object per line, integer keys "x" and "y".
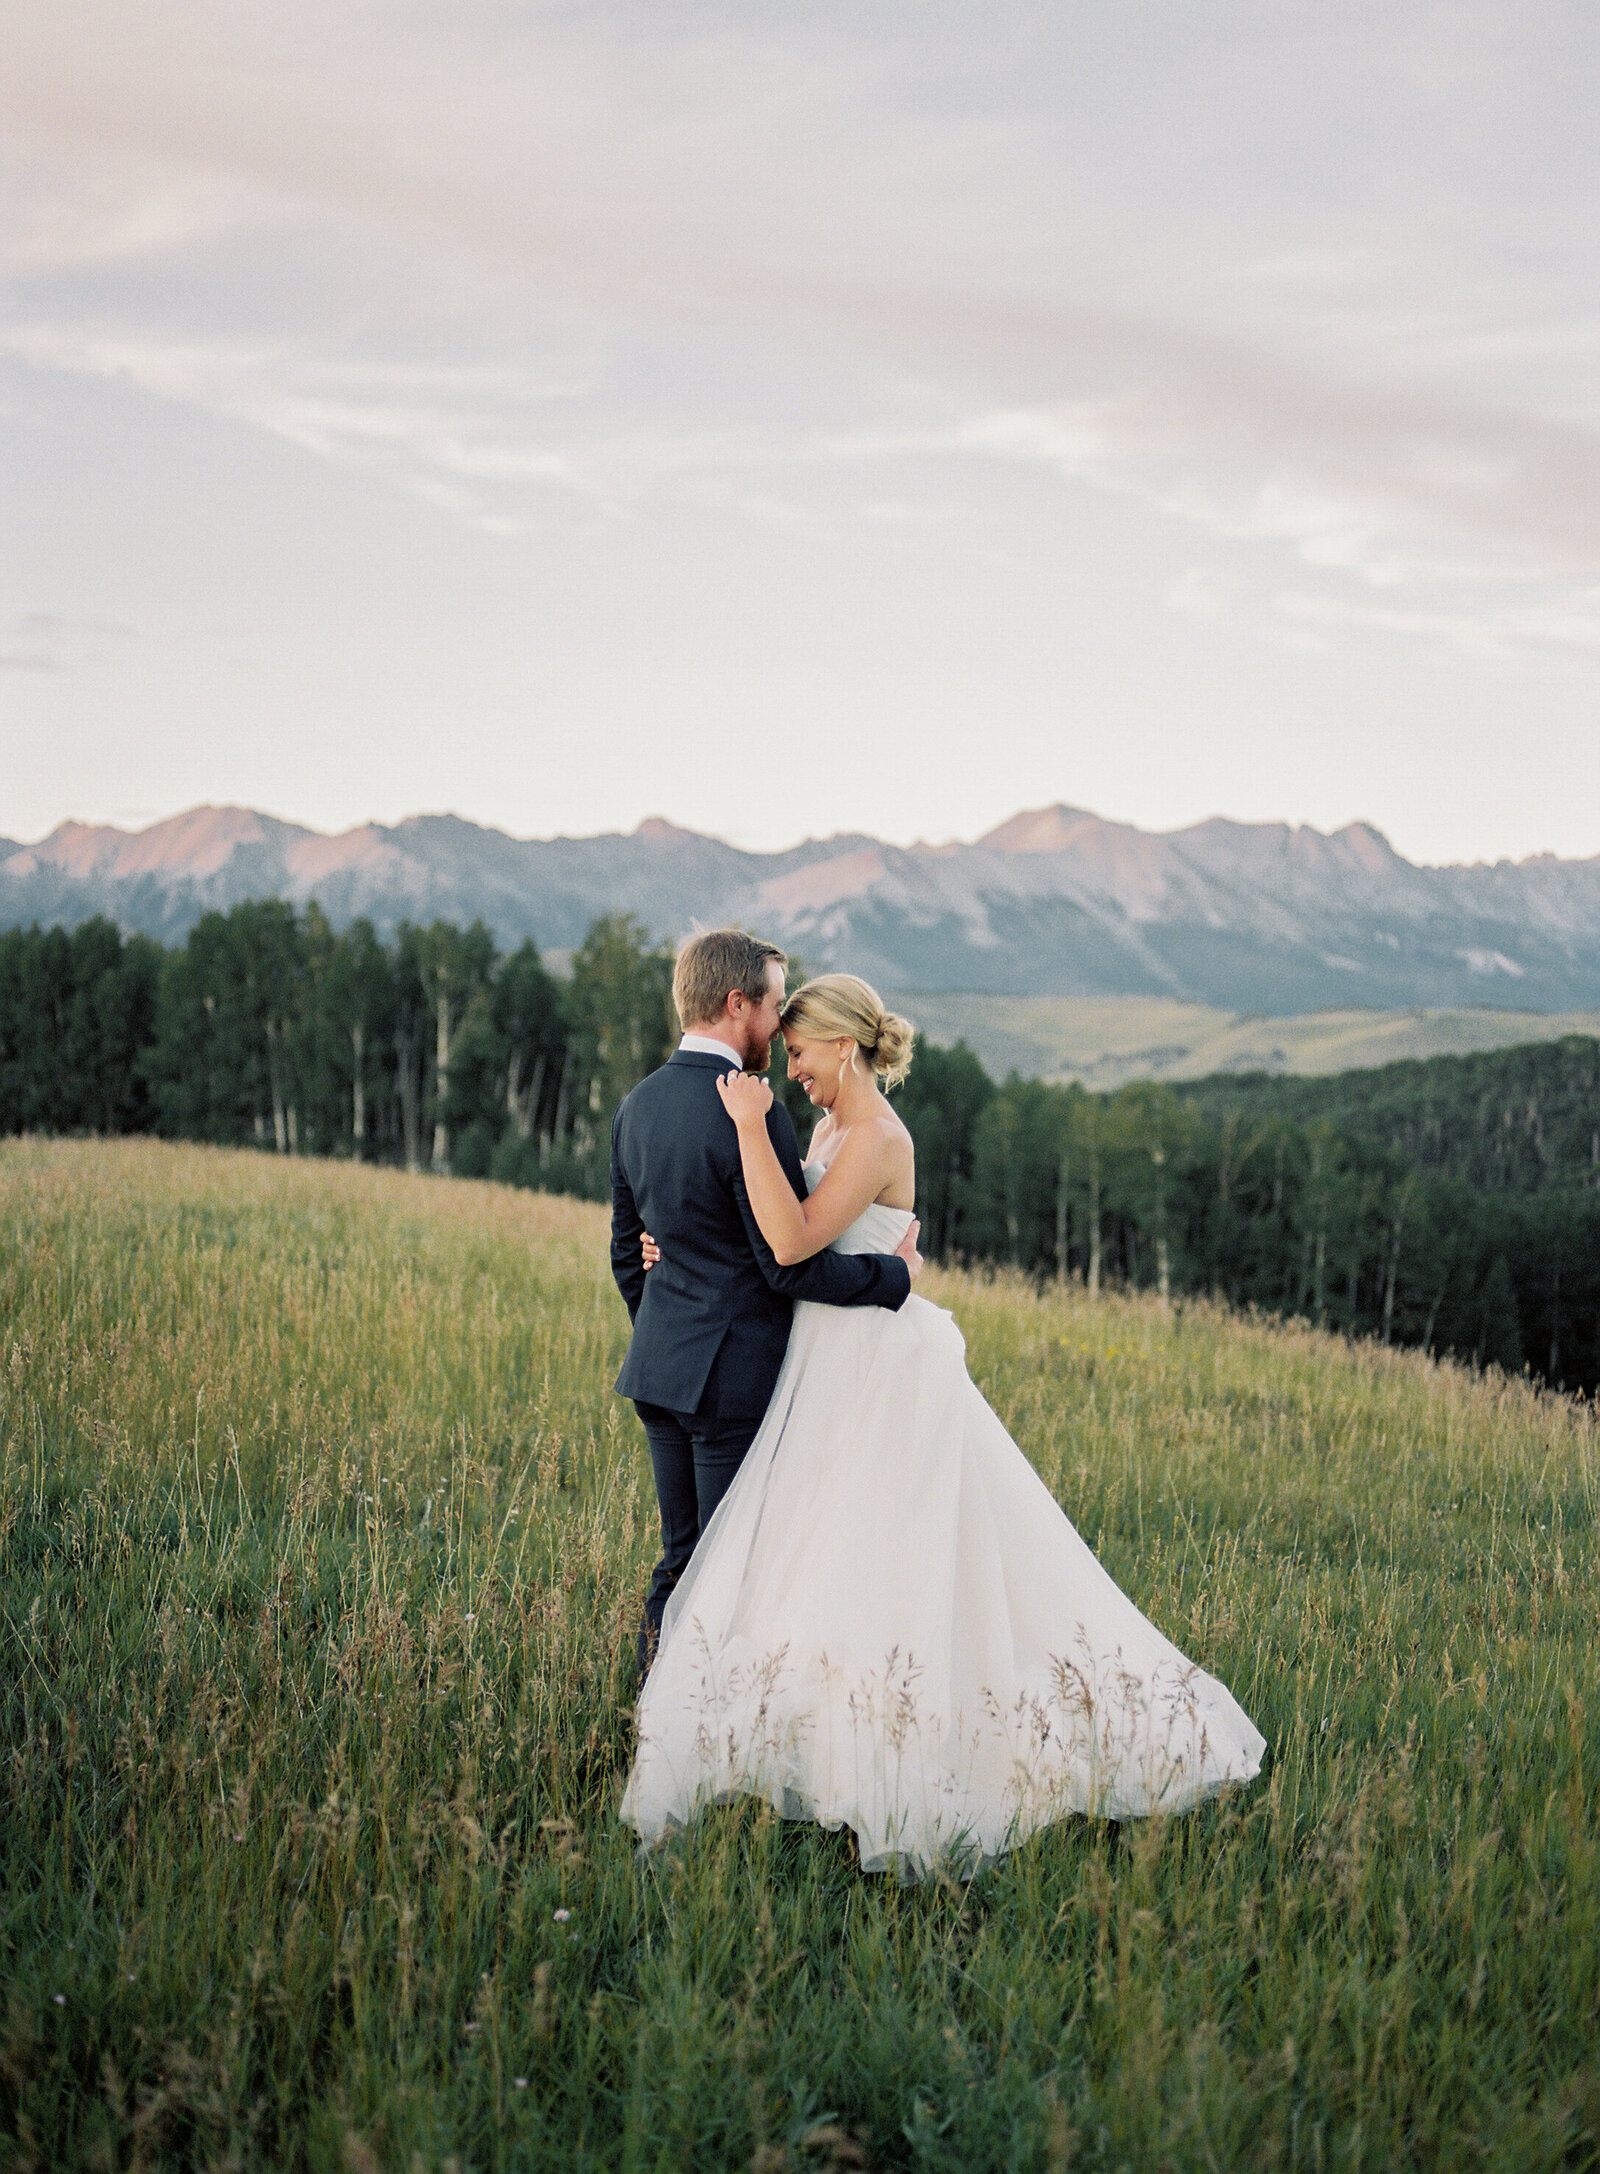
{"x": 906, "y": 1250}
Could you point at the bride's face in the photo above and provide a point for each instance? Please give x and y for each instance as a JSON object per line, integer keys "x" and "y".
{"x": 818, "y": 1066}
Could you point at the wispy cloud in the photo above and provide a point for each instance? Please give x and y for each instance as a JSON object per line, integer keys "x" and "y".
{"x": 809, "y": 186}
{"x": 482, "y": 441}
{"x": 51, "y": 641}
{"x": 1401, "y": 489}
{"x": 1387, "y": 486}
{"x": 1389, "y": 479}
{"x": 1491, "y": 629}
{"x": 439, "y": 429}
{"x": 922, "y": 301}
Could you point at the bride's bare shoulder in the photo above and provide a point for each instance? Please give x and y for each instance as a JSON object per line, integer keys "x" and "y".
{"x": 890, "y": 1125}
{"x": 896, "y": 1158}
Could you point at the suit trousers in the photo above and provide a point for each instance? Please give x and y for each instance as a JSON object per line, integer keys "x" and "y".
{"x": 694, "y": 1461}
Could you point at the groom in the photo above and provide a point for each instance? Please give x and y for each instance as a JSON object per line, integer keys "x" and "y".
{"x": 711, "y": 1321}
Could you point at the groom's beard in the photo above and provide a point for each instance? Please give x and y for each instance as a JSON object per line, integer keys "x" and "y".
{"x": 758, "y": 1057}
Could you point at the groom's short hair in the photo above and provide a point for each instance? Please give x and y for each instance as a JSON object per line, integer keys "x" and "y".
{"x": 715, "y": 963}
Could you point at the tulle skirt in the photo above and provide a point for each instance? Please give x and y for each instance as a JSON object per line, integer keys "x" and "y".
{"x": 890, "y": 1624}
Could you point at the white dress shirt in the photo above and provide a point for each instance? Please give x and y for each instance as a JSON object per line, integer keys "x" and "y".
{"x": 704, "y": 1046}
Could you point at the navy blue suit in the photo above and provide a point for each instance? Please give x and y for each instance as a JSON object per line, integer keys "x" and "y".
{"x": 711, "y": 1319}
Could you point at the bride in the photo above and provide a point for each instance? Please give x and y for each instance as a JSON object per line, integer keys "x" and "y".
{"x": 889, "y": 1624}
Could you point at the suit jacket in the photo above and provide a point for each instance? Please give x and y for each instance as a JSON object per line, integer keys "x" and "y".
{"x": 711, "y": 1319}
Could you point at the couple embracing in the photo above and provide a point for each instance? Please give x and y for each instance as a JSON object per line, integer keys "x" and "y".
{"x": 869, "y": 1610}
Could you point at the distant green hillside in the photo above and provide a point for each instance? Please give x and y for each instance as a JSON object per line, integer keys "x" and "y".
{"x": 1512, "y": 1120}
{"x": 1105, "y": 1041}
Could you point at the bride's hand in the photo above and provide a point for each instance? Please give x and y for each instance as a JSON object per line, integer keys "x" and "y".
{"x": 650, "y": 1250}
{"x": 746, "y": 1097}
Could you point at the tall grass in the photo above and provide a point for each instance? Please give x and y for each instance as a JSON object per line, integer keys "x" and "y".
{"x": 321, "y": 1544}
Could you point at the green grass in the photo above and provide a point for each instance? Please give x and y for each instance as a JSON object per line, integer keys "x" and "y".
{"x": 321, "y": 1542}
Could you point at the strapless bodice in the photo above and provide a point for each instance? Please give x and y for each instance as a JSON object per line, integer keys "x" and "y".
{"x": 876, "y": 1229}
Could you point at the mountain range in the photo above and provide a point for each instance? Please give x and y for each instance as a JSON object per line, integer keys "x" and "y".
{"x": 1057, "y": 902}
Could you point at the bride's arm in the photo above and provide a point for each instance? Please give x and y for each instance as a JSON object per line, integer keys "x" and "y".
{"x": 797, "y": 1229}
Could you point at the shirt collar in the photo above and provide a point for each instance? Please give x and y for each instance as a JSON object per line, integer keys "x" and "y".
{"x": 702, "y": 1045}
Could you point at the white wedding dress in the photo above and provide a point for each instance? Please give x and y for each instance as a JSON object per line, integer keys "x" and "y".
{"x": 889, "y": 1624}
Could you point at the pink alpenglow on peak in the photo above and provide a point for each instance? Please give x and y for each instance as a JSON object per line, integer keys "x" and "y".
{"x": 1270, "y": 918}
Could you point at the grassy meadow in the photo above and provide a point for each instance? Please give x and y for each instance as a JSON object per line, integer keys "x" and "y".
{"x": 321, "y": 1544}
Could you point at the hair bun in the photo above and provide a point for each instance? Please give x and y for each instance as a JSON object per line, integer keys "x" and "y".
{"x": 891, "y": 1052}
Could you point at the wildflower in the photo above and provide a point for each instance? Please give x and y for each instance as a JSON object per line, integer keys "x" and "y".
{"x": 519, "y": 2083}
{"x": 562, "y": 1916}
{"x": 60, "y": 1999}
{"x": 469, "y": 1619}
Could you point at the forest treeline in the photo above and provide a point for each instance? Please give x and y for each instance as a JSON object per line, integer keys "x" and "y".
{"x": 1453, "y": 1203}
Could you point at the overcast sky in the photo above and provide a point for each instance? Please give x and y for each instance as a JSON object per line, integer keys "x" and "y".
{"x": 792, "y": 420}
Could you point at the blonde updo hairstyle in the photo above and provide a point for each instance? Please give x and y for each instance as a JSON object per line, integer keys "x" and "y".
{"x": 835, "y": 1005}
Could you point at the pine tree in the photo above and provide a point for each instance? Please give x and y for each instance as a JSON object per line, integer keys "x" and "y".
{"x": 1500, "y": 1325}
